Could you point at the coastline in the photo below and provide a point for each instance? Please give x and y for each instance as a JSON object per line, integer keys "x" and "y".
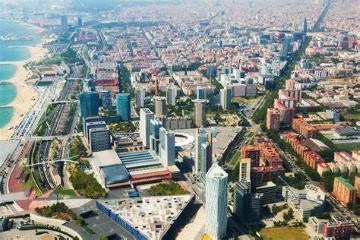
{"x": 26, "y": 95}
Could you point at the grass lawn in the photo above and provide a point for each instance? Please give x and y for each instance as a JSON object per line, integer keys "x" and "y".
{"x": 350, "y": 117}
{"x": 31, "y": 183}
{"x": 235, "y": 159}
{"x": 65, "y": 192}
{"x": 283, "y": 233}
{"x": 349, "y": 146}
{"x": 247, "y": 101}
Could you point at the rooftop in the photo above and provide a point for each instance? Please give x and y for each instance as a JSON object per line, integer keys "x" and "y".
{"x": 138, "y": 159}
{"x": 345, "y": 182}
{"x": 106, "y": 158}
{"x": 151, "y": 216}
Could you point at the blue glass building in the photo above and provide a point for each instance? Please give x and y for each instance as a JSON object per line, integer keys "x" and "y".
{"x": 89, "y": 104}
{"x": 123, "y": 106}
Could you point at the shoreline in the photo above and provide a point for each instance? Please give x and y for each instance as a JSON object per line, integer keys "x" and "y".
{"x": 26, "y": 95}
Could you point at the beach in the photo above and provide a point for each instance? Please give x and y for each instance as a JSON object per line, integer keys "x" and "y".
{"x": 26, "y": 94}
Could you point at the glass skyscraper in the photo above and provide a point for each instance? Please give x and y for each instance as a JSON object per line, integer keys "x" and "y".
{"x": 203, "y": 151}
{"x": 216, "y": 190}
{"x": 123, "y": 106}
{"x": 89, "y": 104}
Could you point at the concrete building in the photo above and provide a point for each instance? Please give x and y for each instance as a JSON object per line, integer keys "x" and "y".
{"x": 123, "y": 107}
{"x": 160, "y": 106}
{"x": 245, "y": 170}
{"x": 247, "y": 205}
{"x": 225, "y": 97}
{"x": 200, "y": 92}
{"x": 273, "y": 119}
{"x": 106, "y": 101}
{"x": 99, "y": 139}
{"x": 145, "y": 116}
{"x": 357, "y": 186}
{"x": 148, "y": 218}
{"x": 338, "y": 229}
{"x": 199, "y": 113}
{"x": 343, "y": 191}
{"x": 269, "y": 192}
{"x": 155, "y": 125}
{"x": 203, "y": 153}
{"x": 252, "y": 152}
{"x": 171, "y": 96}
{"x": 89, "y": 104}
{"x": 64, "y": 23}
{"x": 172, "y": 123}
{"x": 216, "y": 190}
{"x": 307, "y": 202}
{"x": 167, "y": 147}
{"x": 140, "y": 97}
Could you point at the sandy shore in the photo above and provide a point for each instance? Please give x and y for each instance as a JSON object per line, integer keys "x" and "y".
{"x": 26, "y": 95}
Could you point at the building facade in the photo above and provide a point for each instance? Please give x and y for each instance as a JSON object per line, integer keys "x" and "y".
{"x": 216, "y": 190}
{"x": 123, "y": 108}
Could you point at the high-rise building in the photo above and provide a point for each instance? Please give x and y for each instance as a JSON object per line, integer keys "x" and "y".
{"x": 200, "y": 92}
{"x": 273, "y": 119}
{"x": 304, "y": 27}
{"x": 140, "y": 97}
{"x": 344, "y": 192}
{"x": 90, "y": 124}
{"x": 106, "y": 101}
{"x": 89, "y": 104}
{"x": 160, "y": 106}
{"x": 145, "y": 116}
{"x": 216, "y": 190}
{"x": 99, "y": 139}
{"x": 155, "y": 125}
{"x": 64, "y": 23}
{"x": 79, "y": 21}
{"x": 245, "y": 170}
{"x": 203, "y": 153}
{"x": 286, "y": 48}
{"x": 225, "y": 97}
{"x": 247, "y": 205}
{"x": 123, "y": 108}
{"x": 167, "y": 147}
{"x": 171, "y": 96}
{"x": 199, "y": 112}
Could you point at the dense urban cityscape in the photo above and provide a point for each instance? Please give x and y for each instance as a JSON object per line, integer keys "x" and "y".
{"x": 161, "y": 119}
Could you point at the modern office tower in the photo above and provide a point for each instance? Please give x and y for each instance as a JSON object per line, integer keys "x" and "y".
{"x": 79, "y": 22}
{"x": 245, "y": 170}
{"x": 105, "y": 96}
{"x": 200, "y": 92}
{"x": 145, "y": 116}
{"x": 140, "y": 97}
{"x": 91, "y": 124}
{"x": 216, "y": 190}
{"x": 123, "y": 108}
{"x": 273, "y": 119}
{"x": 304, "y": 27}
{"x": 155, "y": 125}
{"x": 225, "y": 98}
{"x": 286, "y": 48}
{"x": 160, "y": 106}
{"x": 99, "y": 139}
{"x": 171, "y": 96}
{"x": 64, "y": 23}
{"x": 247, "y": 205}
{"x": 89, "y": 104}
{"x": 167, "y": 147}
{"x": 203, "y": 153}
{"x": 199, "y": 112}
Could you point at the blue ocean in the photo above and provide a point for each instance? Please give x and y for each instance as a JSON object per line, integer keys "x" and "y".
{"x": 12, "y": 49}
